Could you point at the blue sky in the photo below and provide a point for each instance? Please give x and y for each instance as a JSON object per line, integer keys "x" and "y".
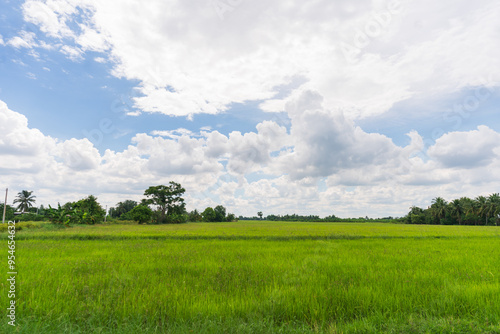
{"x": 354, "y": 108}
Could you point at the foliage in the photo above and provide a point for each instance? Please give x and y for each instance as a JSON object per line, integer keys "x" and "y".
{"x": 177, "y": 218}
{"x": 168, "y": 200}
{"x": 85, "y": 211}
{"x": 25, "y": 199}
{"x": 141, "y": 214}
{"x": 209, "y": 215}
{"x": 122, "y": 208}
{"x": 9, "y": 212}
{"x": 62, "y": 215}
{"x": 217, "y": 214}
{"x": 30, "y": 217}
{"x": 195, "y": 216}
{"x": 220, "y": 213}
{"x": 463, "y": 211}
{"x": 89, "y": 211}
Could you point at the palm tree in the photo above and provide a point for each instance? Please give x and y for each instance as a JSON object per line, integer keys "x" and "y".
{"x": 481, "y": 208}
{"x": 438, "y": 208}
{"x": 467, "y": 208}
{"x": 494, "y": 206}
{"x": 25, "y": 200}
{"x": 456, "y": 210}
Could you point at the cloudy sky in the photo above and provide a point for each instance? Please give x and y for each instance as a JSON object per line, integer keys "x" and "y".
{"x": 323, "y": 107}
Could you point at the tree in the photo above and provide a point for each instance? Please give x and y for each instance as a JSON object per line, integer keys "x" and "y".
{"x": 259, "y": 214}
{"x": 25, "y": 199}
{"x": 493, "y": 204}
{"x": 62, "y": 215}
{"x": 220, "y": 213}
{"x": 9, "y": 212}
{"x": 438, "y": 209}
{"x": 141, "y": 214}
{"x": 168, "y": 200}
{"x": 456, "y": 210}
{"x": 231, "y": 217}
{"x": 122, "y": 208}
{"x": 195, "y": 216}
{"x": 481, "y": 208}
{"x": 416, "y": 215}
{"x": 89, "y": 210}
{"x": 209, "y": 215}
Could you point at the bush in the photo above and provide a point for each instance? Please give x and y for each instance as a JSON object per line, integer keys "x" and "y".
{"x": 141, "y": 214}
{"x": 177, "y": 218}
{"x": 9, "y": 212}
{"x": 30, "y": 217}
{"x": 209, "y": 215}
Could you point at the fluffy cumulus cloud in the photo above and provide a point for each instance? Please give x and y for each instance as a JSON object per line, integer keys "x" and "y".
{"x": 324, "y": 164}
{"x": 201, "y": 56}
{"x": 326, "y": 142}
{"x": 326, "y": 64}
{"x": 467, "y": 149}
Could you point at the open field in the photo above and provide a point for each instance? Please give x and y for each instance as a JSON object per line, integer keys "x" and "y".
{"x": 257, "y": 277}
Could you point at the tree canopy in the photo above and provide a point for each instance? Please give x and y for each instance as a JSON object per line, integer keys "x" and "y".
{"x": 26, "y": 199}
{"x": 170, "y": 206}
{"x": 462, "y": 211}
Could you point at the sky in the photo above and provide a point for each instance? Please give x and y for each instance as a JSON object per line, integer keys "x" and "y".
{"x": 352, "y": 108}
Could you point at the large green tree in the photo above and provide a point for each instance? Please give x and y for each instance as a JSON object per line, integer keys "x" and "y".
{"x": 220, "y": 213}
{"x": 209, "y": 215}
{"x": 25, "y": 199}
{"x": 167, "y": 199}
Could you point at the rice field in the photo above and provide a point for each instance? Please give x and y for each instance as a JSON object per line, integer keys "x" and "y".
{"x": 257, "y": 277}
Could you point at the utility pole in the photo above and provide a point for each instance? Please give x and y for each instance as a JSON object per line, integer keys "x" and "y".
{"x": 106, "y": 213}
{"x": 5, "y": 205}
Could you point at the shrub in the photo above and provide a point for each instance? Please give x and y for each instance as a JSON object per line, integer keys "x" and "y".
{"x": 141, "y": 214}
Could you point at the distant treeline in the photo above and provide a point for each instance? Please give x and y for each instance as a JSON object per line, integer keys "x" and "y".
{"x": 314, "y": 218}
{"x": 463, "y": 211}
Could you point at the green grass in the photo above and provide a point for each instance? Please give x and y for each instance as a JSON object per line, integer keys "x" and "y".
{"x": 258, "y": 277}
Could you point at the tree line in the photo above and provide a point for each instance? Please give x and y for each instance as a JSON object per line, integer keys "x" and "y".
{"x": 481, "y": 210}
{"x": 165, "y": 205}
{"x": 161, "y": 205}
{"x": 314, "y": 218}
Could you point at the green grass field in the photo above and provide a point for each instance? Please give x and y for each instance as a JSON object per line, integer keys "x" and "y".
{"x": 256, "y": 277}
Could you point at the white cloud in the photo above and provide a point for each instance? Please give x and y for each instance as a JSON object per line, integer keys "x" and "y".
{"x": 79, "y": 154}
{"x": 100, "y": 60}
{"x": 25, "y": 40}
{"x": 173, "y": 133}
{"x": 92, "y": 40}
{"x": 51, "y": 16}
{"x": 467, "y": 149}
{"x": 189, "y": 61}
{"x": 326, "y": 142}
{"x": 1, "y": 40}
{"x": 354, "y": 173}
{"x": 73, "y": 53}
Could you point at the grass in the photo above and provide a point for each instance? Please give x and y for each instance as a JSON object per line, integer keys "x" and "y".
{"x": 258, "y": 277}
